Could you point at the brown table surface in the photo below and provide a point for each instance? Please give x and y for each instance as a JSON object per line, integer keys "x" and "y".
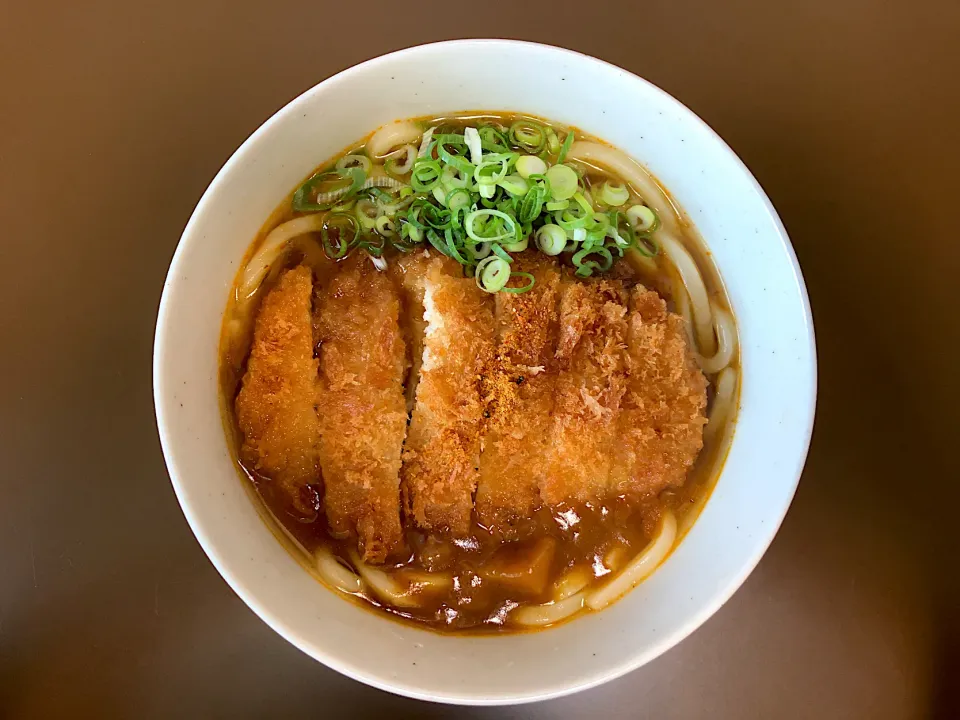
{"x": 115, "y": 117}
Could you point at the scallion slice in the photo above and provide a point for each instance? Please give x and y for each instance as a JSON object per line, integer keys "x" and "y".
{"x": 528, "y": 165}
{"x": 339, "y": 232}
{"x": 531, "y": 281}
{"x": 425, "y": 175}
{"x": 551, "y": 239}
{"x": 354, "y": 161}
{"x": 643, "y": 219}
{"x": 528, "y": 135}
{"x": 563, "y": 182}
{"x": 565, "y": 148}
{"x": 492, "y": 274}
{"x": 614, "y": 194}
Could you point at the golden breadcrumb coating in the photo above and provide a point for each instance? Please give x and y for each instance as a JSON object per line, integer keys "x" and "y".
{"x": 660, "y": 429}
{"x": 443, "y": 445}
{"x": 589, "y": 387}
{"x": 518, "y": 393}
{"x": 361, "y": 405}
{"x": 275, "y": 406}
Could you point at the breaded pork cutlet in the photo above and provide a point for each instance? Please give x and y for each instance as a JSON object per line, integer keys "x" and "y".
{"x": 660, "y": 428}
{"x": 361, "y": 405}
{"x": 589, "y": 387}
{"x": 518, "y": 392}
{"x": 275, "y": 406}
{"x": 443, "y": 445}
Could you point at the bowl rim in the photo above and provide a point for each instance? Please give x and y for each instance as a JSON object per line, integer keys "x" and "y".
{"x": 717, "y": 598}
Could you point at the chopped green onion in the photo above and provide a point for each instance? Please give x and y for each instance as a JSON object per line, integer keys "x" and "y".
{"x": 551, "y": 239}
{"x": 366, "y": 211}
{"x": 553, "y": 142}
{"x": 479, "y": 251}
{"x": 528, "y": 135}
{"x": 472, "y": 138}
{"x": 344, "y": 206}
{"x": 325, "y": 188}
{"x": 614, "y": 194}
{"x": 528, "y": 165}
{"x": 563, "y": 182}
{"x": 507, "y": 230}
{"x": 452, "y": 250}
{"x": 385, "y": 226}
{"x": 532, "y": 205}
{"x": 586, "y": 269}
{"x": 493, "y": 140}
{"x": 354, "y": 161}
{"x": 409, "y": 155}
{"x": 425, "y": 175}
{"x": 585, "y": 205}
{"x": 500, "y": 253}
{"x": 492, "y": 274}
{"x": 517, "y": 246}
{"x": 514, "y": 184}
{"x": 342, "y": 223}
{"x": 457, "y": 198}
{"x": 558, "y": 205}
{"x": 531, "y": 281}
{"x": 567, "y": 142}
{"x": 646, "y": 245}
{"x": 643, "y": 219}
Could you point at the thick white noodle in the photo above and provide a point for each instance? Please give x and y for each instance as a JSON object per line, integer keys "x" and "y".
{"x": 723, "y": 399}
{"x": 693, "y": 281}
{"x": 549, "y": 613}
{"x": 630, "y": 170}
{"x": 383, "y": 586}
{"x": 726, "y": 343}
{"x": 273, "y": 245}
{"x": 421, "y": 582}
{"x": 390, "y": 136}
{"x": 572, "y": 582}
{"x": 682, "y": 300}
{"x": 335, "y": 574}
{"x": 639, "y": 568}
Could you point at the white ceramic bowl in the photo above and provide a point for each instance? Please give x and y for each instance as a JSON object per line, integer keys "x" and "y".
{"x": 754, "y": 256}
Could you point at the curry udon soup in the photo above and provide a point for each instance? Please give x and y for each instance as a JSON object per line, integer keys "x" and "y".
{"x": 480, "y": 372}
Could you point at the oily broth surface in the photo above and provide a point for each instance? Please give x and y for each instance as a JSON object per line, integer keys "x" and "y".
{"x": 598, "y": 540}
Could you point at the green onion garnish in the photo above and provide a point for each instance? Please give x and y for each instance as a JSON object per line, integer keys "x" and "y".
{"x": 478, "y": 195}
{"x": 565, "y": 148}
{"x": 339, "y": 232}
{"x": 528, "y": 135}
{"x": 492, "y": 274}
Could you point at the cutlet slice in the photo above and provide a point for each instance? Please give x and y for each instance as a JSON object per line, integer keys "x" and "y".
{"x": 589, "y": 386}
{"x": 361, "y": 406}
{"x": 518, "y": 392}
{"x": 275, "y": 406}
{"x": 443, "y": 445}
{"x": 409, "y": 272}
{"x": 662, "y": 413}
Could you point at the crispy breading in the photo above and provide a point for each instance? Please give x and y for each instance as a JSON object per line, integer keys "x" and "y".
{"x": 443, "y": 445}
{"x": 660, "y": 429}
{"x": 361, "y": 405}
{"x": 275, "y": 406}
{"x": 518, "y": 392}
{"x": 589, "y": 386}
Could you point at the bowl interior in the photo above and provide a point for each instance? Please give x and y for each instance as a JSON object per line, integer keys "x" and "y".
{"x": 756, "y": 262}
